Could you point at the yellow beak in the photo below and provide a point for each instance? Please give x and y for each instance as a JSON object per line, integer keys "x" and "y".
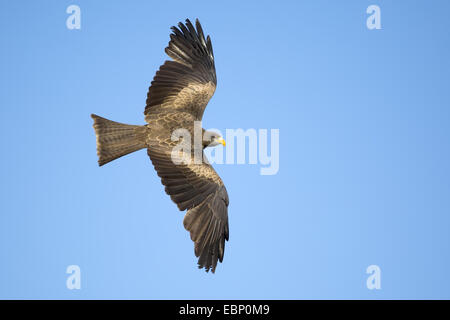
{"x": 222, "y": 141}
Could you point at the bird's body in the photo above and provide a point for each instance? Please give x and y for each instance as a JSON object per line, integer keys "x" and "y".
{"x": 176, "y": 99}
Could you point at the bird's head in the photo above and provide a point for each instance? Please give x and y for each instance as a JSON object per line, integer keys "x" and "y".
{"x": 212, "y": 139}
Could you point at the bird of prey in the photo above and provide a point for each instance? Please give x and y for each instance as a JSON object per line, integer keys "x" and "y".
{"x": 176, "y": 99}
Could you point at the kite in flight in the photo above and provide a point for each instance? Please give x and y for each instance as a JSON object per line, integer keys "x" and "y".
{"x": 177, "y": 97}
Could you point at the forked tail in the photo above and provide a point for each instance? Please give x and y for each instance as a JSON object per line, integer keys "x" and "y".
{"x": 115, "y": 139}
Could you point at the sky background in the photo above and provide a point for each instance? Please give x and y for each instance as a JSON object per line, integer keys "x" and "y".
{"x": 364, "y": 178}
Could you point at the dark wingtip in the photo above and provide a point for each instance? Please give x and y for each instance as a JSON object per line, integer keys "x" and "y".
{"x": 200, "y": 266}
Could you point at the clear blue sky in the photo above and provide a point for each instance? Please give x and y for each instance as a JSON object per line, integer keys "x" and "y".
{"x": 364, "y": 119}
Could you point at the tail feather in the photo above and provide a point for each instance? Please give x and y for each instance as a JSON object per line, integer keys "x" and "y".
{"x": 115, "y": 139}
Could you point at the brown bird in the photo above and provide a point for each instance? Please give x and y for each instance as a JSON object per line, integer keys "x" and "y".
{"x": 177, "y": 97}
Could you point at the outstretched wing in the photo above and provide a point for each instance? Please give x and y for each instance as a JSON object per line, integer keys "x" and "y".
{"x": 187, "y": 83}
{"x": 199, "y": 189}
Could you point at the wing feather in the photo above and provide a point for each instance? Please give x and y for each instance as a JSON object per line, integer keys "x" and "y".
{"x": 199, "y": 189}
{"x": 188, "y": 82}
